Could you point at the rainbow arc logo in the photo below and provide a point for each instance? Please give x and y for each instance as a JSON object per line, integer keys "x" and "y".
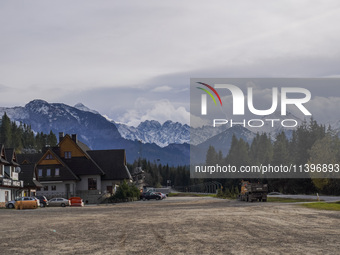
{"x": 204, "y": 97}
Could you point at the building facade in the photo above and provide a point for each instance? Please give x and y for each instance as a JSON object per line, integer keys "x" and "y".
{"x": 10, "y": 184}
{"x": 72, "y": 169}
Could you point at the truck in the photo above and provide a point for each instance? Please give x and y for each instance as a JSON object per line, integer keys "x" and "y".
{"x": 251, "y": 192}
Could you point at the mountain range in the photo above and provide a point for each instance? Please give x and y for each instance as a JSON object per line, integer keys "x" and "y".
{"x": 92, "y": 129}
{"x": 166, "y": 143}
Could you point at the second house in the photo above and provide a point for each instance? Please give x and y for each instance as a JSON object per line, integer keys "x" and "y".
{"x": 72, "y": 169}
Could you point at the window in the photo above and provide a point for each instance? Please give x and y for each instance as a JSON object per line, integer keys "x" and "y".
{"x": 40, "y": 172}
{"x": 38, "y": 189}
{"x": 46, "y": 188}
{"x": 49, "y": 156}
{"x": 56, "y": 172}
{"x": 109, "y": 189}
{"x": 53, "y": 187}
{"x": 48, "y": 172}
{"x": 92, "y": 183}
{"x": 67, "y": 154}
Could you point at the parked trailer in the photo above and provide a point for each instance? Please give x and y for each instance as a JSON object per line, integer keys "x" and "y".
{"x": 253, "y": 192}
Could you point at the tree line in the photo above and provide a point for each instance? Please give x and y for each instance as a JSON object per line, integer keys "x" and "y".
{"x": 22, "y": 138}
{"x": 310, "y": 143}
{"x": 158, "y": 175}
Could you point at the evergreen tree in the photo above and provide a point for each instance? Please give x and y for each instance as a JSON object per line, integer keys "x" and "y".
{"x": 211, "y": 157}
{"x": 261, "y": 150}
{"x": 281, "y": 150}
{"x": 238, "y": 153}
{"x": 22, "y": 138}
{"x": 325, "y": 151}
{"x": 6, "y": 131}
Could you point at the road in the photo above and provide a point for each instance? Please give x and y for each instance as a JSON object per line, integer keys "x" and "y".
{"x": 177, "y": 225}
{"x": 323, "y": 198}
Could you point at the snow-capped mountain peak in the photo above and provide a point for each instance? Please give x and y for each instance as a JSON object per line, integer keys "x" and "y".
{"x": 84, "y": 108}
{"x": 151, "y": 131}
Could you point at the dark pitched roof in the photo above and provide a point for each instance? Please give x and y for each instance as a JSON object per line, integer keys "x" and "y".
{"x": 83, "y": 146}
{"x": 27, "y": 174}
{"x": 29, "y": 158}
{"x": 10, "y": 155}
{"x": 83, "y": 166}
{"x": 112, "y": 162}
{"x": 3, "y": 160}
{"x": 65, "y": 171}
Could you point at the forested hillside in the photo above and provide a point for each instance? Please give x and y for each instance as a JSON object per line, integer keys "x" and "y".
{"x": 311, "y": 143}
{"x": 21, "y": 137}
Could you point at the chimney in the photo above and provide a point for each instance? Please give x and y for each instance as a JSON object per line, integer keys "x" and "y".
{"x": 74, "y": 138}
{"x": 61, "y": 136}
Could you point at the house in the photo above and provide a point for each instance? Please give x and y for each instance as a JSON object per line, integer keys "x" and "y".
{"x": 28, "y": 173}
{"x": 10, "y": 184}
{"x": 72, "y": 169}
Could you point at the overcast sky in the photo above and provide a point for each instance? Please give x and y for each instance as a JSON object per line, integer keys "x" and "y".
{"x": 133, "y": 60}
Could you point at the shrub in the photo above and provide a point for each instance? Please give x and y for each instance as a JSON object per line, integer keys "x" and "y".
{"x": 126, "y": 192}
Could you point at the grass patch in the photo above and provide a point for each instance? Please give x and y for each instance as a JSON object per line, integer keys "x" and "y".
{"x": 190, "y": 195}
{"x": 323, "y": 206}
{"x": 288, "y": 200}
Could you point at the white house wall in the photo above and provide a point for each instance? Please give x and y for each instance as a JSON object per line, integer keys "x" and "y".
{"x": 105, "y": 184}
{"x": 83, "y": 184}
{"x": 12, "y": 194}
{"x": 60, "y": 189}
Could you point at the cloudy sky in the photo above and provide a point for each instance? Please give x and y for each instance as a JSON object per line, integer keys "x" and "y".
{"x": 133, "y": 60}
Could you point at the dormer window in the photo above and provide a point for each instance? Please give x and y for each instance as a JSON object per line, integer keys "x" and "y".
{"x": 68, "y": 154}
{"x": 49, "y": 156}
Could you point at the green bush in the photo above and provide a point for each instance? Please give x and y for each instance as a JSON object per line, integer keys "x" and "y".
{"x": 126, "y": 192}
{"x": 228, "y": 193}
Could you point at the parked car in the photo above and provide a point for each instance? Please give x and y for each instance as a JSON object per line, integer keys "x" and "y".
{"x": 59, "y": 201}
{"x": 76, "y": 201}
{"x": 43, "y": 201}
{"x": 161, "y": 194}
{"x": 11, "y": 204}
{"x": 38, "y": 201}
{"x": 151, "y": 195}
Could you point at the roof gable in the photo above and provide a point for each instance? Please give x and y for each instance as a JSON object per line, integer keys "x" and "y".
{"x": 45, "y": 161}
{"x": 28, "y": 175}
{"x": 3, "y": 155}
{"x": 50, "y": 158}
{"x": 2, "y": 152}
{"x": 11, "y": 156}
{"x": 68, "y": 145}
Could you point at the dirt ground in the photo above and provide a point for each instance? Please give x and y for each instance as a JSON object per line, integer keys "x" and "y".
{"x": 172, "y": 226}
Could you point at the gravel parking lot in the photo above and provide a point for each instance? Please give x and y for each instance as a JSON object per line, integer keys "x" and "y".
{"x": 171, "y": 226}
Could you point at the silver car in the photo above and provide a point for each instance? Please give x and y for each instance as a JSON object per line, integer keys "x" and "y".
{"x": 11, "y": 204}
{"x": 59, "y": 201}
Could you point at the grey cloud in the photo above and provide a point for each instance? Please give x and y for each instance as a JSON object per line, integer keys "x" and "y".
{"x": 109, "y": 55}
